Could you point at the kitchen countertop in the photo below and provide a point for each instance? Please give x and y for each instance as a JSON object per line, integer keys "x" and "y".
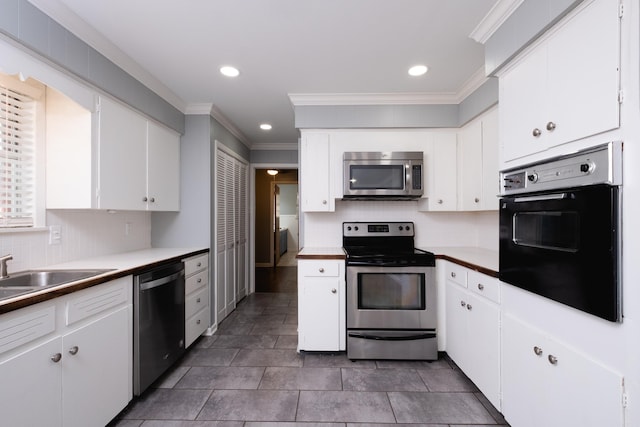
{"x": 321, "y": 253}
{"x": 120, "y": 264}
{"x": 483, "y": 260}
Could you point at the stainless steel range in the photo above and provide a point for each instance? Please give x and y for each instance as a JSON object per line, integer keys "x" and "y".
{"x": 391, "y": 293}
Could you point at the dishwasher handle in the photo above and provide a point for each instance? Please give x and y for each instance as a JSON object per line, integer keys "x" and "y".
{"x": 161, "y": 281}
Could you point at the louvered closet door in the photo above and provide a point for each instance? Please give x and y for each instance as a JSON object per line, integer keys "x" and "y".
{"x": 242, "y": 225}
{"x": 221, "y": 197}
{"x": 230, "y": 284}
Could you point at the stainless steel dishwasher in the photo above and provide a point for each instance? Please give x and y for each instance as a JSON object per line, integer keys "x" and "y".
{"x": 158, "y": 323}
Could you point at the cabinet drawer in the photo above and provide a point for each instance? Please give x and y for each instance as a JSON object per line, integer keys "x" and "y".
{"x": 196, "y": 325}
{"x": 191, "y": 265}
{"x": 196, "y": 302}
{"x": 98, "y": 299}
{"x": 20, "y": 329}
{"x": 456, "y": 273}
{"x": 319, "y": 268}
{"x": 196, "y": 281}
{"x": 484, "y": 285}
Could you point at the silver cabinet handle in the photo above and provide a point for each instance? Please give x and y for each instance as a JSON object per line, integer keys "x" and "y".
{"x": 536, "y": 132}
{"x": 198, "y": 322}
{"x": 333, "y": 291}
{"x": 463, "y": 304}
{"x": 198, "y": 300}
{"x": 552, "y": 359}
{"x": 481, "y": 286}
{"x": 199, "y": 264}
{"x": 537, "y": 350}
{"x": 56, "y": 357}
{"x": 324, "y": 202}
{"x": 145, "y": 199}
{"x": 153, "y": 199}
{"x": 476, "y": 200}
{"x": 469, "y": 307}
{"x": 453, "y": 274}
{"x": 440, "y": 201}
{"x": 73, "y": 350}
{"x": 321, "y": 270}
{"x": 551, "y": 126}
{"x": 199, "y": 280}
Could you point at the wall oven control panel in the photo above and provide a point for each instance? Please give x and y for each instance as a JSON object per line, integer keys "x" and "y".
{"x": 598, "y": 165}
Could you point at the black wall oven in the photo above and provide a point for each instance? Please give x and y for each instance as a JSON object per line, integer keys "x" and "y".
{"x": 560, "y": 231}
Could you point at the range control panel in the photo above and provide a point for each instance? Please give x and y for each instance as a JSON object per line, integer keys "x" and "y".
{"x": 598, "y": 165}
{"x": 377, "y": 229}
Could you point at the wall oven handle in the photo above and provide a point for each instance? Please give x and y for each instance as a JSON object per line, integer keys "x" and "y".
{"x": 419, "y": 336}
{"x": 558, "y": 196}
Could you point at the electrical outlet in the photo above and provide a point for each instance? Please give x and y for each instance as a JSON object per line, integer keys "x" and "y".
{"x": 55, "y": 234}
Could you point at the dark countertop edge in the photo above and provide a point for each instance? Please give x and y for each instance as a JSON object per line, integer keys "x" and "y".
{"x": 321, "y": 256}
{"x": 478, "y": 268}
{"x": 56, "y": 291}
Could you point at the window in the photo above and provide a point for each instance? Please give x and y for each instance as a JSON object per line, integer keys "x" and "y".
{"x": 17, "y": 158}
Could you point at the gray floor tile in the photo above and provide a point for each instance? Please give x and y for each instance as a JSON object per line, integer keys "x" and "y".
{"x": 397, "y": 425}
{"x": 344, "y": 406}
{"x": 268, "y": 424}
{"x": 277, "y": 319}
{"x": 272, "y": 329}
{"x": 192, "y": 424}
{"x": 443, "y": 408}
{"x": 209, "y": 357}
{"x": 205, "y": 342}
{"x": 382, "y": 380}
{"x": 171, "y": 378}
{"x": 276, "y": 378}
{"x": 250, "y": 405}
{"x": 235, "y": 329}
{"x": 334, "y": 360}
{"x": 411, "y": 364}
{"x": 446, "y": 380}
{"x": 244, "y": 341}
{"x": 125, "y": 423}
{"x": 280, "y": 310}
{"x": 168, "y": 404}
{"x": 291, "y": 319}
{"x": 287, "y": 341}
{"x": 222, "y": 377}
{"x": 267, "y": 357}
{"x": 492, "y": 409}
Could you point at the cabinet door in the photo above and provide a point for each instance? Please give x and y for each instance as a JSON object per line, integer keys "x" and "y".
{"x": 97, "y": 372}
{"x": 163, "y": 169}
{"x": 319, "y": 328}
{"x": 442, "y": 172}
{"x": 456, "y": 317}
{"x": 30, "y": 391}
{"x": 470, "y": 166}
{"x": 122, "y": 159}
{"x": 315, "y": 185}
{"x": 490, "y": 163}
{"x": 584, "y": 74}
{"x": 523, "y": 106}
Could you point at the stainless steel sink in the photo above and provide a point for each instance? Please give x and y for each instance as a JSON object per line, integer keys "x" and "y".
{"x": 33, "y": 280}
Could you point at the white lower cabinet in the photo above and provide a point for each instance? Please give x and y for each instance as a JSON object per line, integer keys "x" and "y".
{"x": 68, "y": 361}
{"x": 197, "y": 308}
{"x": 473, "y": 327}
{"x": 546, "y": 383}
{"x": 321, "y": 305}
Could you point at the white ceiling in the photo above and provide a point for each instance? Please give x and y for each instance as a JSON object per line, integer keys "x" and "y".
{"x": 282, "y": 47}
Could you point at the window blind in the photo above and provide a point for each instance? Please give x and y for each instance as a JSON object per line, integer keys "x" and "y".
{"x": 17, "y": 155}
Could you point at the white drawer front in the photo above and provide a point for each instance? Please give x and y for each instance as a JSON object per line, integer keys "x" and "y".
{"x": 196, "y": 325}
{"x": 484, "y": 285}
{"x": 319, "y": 268}
{"x": 21, "y": 329}
{"x": 196, "y": 302}
{"x": 97, "y": 299}
{"x": 196, "y": 281}
{"x": 197, "y": 263}
{"x": 456, "y": 273}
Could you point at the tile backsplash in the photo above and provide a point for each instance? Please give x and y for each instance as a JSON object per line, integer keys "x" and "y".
{"x": 83, "y": 234}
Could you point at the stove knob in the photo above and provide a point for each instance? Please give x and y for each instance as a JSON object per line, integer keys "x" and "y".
{"x": 349, "y": 228}
{"x": 356, "y": 228}
{"x": 586, "y": 167}
{"x": 400, "y": 228}
{"x": 407, "y": 228}
{"x": 533, "y": 177}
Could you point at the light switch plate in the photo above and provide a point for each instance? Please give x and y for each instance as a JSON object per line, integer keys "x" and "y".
{"x": 55, "y": 234}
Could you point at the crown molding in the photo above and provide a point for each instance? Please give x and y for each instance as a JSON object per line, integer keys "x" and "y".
{"x": 494, "y": 19}
{"x": 408, "y": 98}
{"x": 229, "y": 125}
{"x": 269, "y": 146}
{"x": 476, "y": 80}
{"x": 61, "y": 13}
{"x": 198, "y": 109}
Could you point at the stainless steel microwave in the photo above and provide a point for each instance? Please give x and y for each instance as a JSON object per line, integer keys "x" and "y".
{"x": 391, "y": 175}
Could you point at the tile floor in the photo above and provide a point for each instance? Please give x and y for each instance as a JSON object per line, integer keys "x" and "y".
{"x": 249, "y": 374}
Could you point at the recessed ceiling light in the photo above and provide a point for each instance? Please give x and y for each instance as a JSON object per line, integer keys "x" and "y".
{"x": 230, "y": 71}
{"x": 418, "y": 70}
{"x": 265, "y": 126}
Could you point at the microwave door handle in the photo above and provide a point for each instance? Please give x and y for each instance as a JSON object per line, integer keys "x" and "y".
{"x": 558, "y": 196}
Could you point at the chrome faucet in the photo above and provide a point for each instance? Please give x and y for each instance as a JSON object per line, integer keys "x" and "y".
{"x": 3, "y": 266}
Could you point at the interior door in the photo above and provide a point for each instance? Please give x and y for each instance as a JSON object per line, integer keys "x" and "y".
{"x": 276, "y": 224}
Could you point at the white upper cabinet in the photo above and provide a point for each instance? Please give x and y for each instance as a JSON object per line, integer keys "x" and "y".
{"x": 478, "y": 181}
{"x": 567, "y": 87}
{"x": 441, "y": 174}
{"x": 112, "y": 159}
{"x": 315, "y": 188}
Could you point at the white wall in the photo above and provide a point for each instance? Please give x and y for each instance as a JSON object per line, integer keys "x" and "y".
{"x": 84, "y": 234}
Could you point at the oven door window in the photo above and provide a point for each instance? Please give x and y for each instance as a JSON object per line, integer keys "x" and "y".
{"x": 377, "y": 177}
{"x": 558, "y": 231}
{"x": 391, "y": 291}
